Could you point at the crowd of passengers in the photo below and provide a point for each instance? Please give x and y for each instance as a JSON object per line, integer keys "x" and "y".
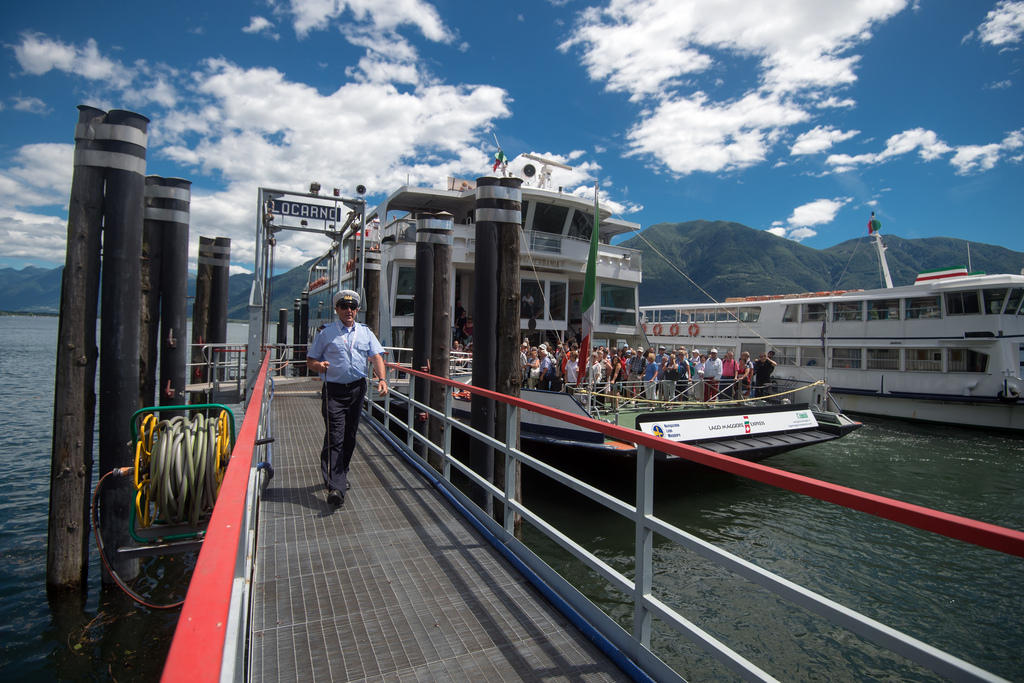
{"x": 658, "y": 374}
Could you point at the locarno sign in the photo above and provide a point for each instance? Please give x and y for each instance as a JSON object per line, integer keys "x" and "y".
{"x": 289, "y": 209}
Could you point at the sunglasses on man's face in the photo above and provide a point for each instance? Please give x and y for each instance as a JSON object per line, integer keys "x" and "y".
{"x": 344, "y": 306}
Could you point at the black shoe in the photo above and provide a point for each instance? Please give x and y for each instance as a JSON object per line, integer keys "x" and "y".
{"x": 336, "y": 498}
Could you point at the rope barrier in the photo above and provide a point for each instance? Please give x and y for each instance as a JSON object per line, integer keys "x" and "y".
{"x": 639, "y": 399}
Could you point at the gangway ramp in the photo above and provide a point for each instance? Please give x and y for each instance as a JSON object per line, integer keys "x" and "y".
{"x": 394, "y": 585}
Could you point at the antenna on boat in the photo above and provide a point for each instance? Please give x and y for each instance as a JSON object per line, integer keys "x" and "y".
{"x": 874, "y": 230}
{"x": 544, "y": 177}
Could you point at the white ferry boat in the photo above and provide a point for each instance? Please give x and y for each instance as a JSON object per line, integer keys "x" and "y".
{"x": 948, "y": 348}
{"x": 554, "y": 246}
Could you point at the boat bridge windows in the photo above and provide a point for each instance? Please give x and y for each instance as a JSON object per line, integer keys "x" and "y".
{"x": 405, "y": 290}
{"x": 924, "y": 307}
{"x": 994, "y": 299}
{"x": 543, "y": 300}
{"x": 883, "y": 309}
{"x": 899, "y": 360}
{"x": 618, "y": 305}
{"x": 847, "y": 310}
{"x": 962, "y": 303}
{"x": 1013, "y": 302}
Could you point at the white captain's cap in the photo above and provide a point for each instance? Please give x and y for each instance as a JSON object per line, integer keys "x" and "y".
{"x": 346, "y": 296}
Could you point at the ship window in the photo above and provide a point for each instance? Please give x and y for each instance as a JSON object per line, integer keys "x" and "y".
{"x": 668, "y": 316}
{"x": 723, "y": 316}
{"x": 405, "y": 290}
{"x": 924, "y": 360}
{"x": 967, "y": 360}
{"x": 924, "y": 307}
{"x": 581, "y": 225}
{"x": 791, "y": 314}
{"x": 811, "y": 356}
{"x": 618, "y": 305}
{"x": 814, "y": 312}
{"x": 785, "y": 355}
{"x": 846, "y": 358}
{"x": 1013, "y": 302}
{"x": 750, "y": 314}
{"x": 848, "y": 310}
{"x": 556, "y": 302}
{"x": 994, "y": 301}
{"x": 551, "y": 218}
{"x": 884, "y": 309}
{"x": 531, "y": 300}
{"x": 883, "y": 359}
{"x": 684, "y": 317}
{"x": 962, "y": 303}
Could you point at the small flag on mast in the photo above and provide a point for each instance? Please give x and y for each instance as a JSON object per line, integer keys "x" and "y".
{"x": 499, "y": 160}
{"x": 874, "y": 225}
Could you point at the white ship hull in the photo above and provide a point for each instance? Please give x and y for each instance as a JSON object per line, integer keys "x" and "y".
{"x": 949, "y": 350}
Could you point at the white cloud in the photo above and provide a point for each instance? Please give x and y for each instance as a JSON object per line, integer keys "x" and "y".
{"x": 819, "y": 212}
{"x": 261, "y": 25}
{"x": 380, "y": 17}
{"x": 37, "y": 55}
{"x": 693, "y": 134}
{"x": 1004, "y": 24}
{"x": 801, "y": 234}
{"x": 819, "y": 139}
{"x": 965, "y": 158}
{"x": 652, "y": 49}
{"x": 33, "y": 105}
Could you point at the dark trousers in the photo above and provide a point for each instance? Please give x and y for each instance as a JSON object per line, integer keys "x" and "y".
{"x": 341, "y": 406}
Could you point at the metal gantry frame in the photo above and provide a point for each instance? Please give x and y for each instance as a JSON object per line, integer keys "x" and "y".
{"x": 266, "y": 229}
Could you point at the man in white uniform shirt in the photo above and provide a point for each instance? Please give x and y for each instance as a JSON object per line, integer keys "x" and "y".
{"x": 712, "y": 373}
{"x": 340, "y": 353}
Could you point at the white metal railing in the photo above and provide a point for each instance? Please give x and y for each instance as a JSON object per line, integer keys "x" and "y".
{"x": 388, "y": 413}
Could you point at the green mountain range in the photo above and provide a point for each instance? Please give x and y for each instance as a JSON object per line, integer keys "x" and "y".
{"x": 725, "y": 259}
{"x": 729, "y": 259}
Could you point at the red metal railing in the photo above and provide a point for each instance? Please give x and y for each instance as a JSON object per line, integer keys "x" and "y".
{"x": 983, "y": 534}
{"x": 197, "y": 650}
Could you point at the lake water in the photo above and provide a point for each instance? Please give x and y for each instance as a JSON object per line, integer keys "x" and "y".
{"x": 965, "y": 600}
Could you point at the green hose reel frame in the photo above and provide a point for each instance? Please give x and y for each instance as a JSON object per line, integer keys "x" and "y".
{"x": 171, "y": 532}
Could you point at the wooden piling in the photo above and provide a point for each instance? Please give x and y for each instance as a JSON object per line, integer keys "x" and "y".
{"x": 509, "y": 369}
{"x": 74, "y": 397}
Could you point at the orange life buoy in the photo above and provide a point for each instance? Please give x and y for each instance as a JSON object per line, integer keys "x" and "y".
{"x": 693, "y": 329}
{"x": 656, "y": 331}
{"x": 674, "y": 330}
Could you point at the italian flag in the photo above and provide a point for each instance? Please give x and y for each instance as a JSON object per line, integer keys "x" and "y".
{"x": 499, "y": 159}
{"x": 874, "y": 225}
{"x": 589, "y": 302}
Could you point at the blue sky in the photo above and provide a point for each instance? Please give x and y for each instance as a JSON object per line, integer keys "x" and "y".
{"x": 795, "y": 116}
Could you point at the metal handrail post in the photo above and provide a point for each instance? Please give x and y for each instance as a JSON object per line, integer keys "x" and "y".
{"x": 511, "y": 428}
{"x": 446, "y": 468}
{"x": 644, "y": 554}
{"x": 411, "y": 413}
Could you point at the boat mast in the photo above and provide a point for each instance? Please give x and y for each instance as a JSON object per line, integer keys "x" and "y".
{"x": 874, "y": 226}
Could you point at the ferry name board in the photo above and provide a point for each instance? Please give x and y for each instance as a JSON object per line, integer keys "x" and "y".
{"x": 701, "y": 428}
{"x": 317, "y": 212}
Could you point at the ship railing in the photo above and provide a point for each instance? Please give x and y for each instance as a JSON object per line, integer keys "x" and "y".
{"x": 399, "y": 412}
{"x": 210, "y": 639}
{"x": 216, "y": 368}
